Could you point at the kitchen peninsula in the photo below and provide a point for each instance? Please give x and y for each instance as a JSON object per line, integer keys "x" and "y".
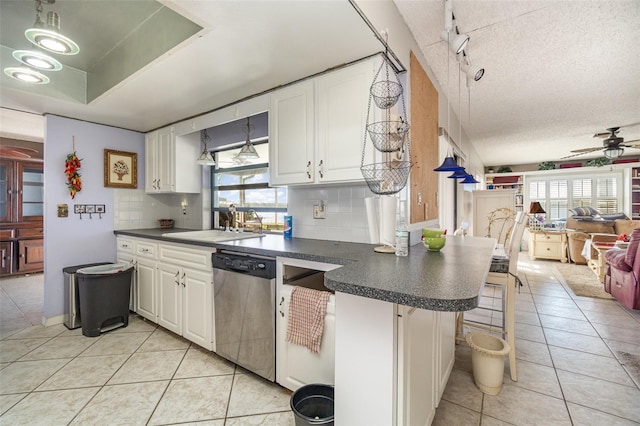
{"x": 395, "y": 318}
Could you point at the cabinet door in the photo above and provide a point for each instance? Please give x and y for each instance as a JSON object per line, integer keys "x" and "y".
{"x": 291, "y": 135}
{"x": 6, "y": 191}
{"x": 126, "y": 257}
{"x": 146, "y": 279}
{"x": 342, "y": 98}
{"x": 151, "y": 162}
{"x": 166, "y": 160}
{"x": 296, "y": 365}
{"x": 417, "y": 375}
{"x": 170, "y": 288}
{"x": 30, "y": 255}
{"x": 446, "y": 336}
{"x": 197, "y": 312}
{"x": 30, "y": 201}
{"x": 6, "y": 257}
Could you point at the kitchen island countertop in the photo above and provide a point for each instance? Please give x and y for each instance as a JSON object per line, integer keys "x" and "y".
{"x": 449, "y": 280}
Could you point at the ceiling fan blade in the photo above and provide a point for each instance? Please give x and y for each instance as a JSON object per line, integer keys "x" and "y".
{"x": 633, "y": 144}
{"x": 572, "y": 155}
{"x": 585, "y": 150}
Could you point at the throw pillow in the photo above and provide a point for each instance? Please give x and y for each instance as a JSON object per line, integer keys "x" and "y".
{"x": 614, "y": 216}
{"x": 583, "y": 211}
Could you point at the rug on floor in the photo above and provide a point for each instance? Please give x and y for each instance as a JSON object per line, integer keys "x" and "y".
{"x": 582, "y": 280}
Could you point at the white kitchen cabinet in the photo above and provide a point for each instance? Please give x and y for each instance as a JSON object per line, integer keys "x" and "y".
{"x": 316, "y": 127}
{"x": 446, "y": 343}
{"x": 185, "y": 293}
{"x": 146, "y": 288}
{"x": 124, "y": 254}
{"x": 296, "y": 365}
{"x": 164, "y": 155}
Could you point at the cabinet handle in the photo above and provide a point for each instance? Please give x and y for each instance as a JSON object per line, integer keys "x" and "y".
{"x": 321, "y": 169}
{"x": 184, "y": 274}
{"x": 176, "y": 277}
{"x": 309, "y": 170}
{"x": 281, "y": 302}
{"x": 4, "y": 258}
{"x": 158, "y": 188}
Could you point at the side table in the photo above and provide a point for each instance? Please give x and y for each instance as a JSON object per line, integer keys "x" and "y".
{"x": 597, "y": 265}
{"x": 548, "y": 245}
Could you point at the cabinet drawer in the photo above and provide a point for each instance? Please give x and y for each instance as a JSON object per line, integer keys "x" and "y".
{"x": 124, "y": 245}
{"x": 145, "y": 249}
{"x": 555, "y": 238}
{"x": 6, "y": 234}
{"x": 29, "y": 232}
{"x": 187, "y": 257}
{"x": 553, "y": 250}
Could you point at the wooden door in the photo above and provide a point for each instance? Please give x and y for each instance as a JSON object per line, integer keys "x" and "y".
{"x": 424, "y": 145}
{"x": 30, "y": 255}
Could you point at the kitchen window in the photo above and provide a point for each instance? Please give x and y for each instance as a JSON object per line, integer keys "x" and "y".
{"x": 245, "y": 184}
{"x": 558, "y": 195}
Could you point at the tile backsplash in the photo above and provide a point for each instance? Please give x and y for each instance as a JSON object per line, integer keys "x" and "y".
{"x": 135, "y": 209}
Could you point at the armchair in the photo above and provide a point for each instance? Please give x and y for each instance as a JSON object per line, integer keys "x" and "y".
{"x": 622, "y": 271}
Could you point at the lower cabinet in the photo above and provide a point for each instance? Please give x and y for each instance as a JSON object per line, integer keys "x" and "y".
{"x": 185, "y": 303}
{"x": 30, "y": 255}
{"x": 146, "y": 288}
{"x": 297, "y": 365}
{"x": 6, "y": 257}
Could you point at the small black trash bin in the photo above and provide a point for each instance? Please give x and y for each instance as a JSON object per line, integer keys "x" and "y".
{"x": 72, "y": 295}
{"x": 104, "y": 297}
{"x": 313, "y": 405}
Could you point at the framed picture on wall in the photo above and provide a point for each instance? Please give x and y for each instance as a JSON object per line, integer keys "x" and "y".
{"x": 120, "y": 169}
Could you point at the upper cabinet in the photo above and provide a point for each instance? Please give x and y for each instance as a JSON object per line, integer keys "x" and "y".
{"x": 165, "y": 153}
{"x": 316, "y": 127}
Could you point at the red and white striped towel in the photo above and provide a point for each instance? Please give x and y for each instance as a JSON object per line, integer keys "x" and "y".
{"x": 307, "y": 309}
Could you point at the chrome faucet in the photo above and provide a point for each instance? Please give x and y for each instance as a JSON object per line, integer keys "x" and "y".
{"x": 255, "y": 213}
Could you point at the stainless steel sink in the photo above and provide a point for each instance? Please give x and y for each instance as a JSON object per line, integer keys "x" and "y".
{"x": 212, "y": 235}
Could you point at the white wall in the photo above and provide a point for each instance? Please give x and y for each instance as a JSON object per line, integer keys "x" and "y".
{"x": 72, "y": 241}
{"x": 21, "y": 125}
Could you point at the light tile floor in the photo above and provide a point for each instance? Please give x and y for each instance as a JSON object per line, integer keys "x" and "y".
{"x": 571, "y": 353}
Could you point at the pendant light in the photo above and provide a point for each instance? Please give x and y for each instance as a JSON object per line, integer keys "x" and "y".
{"x": 205, "y": 159}
{"x": 37, "y": 60}
{"x": 26, "y": 75}
{"x": 459, "y": 174}
{"x": 48, "y": 36}
{"x": 469, "y": 179}
{"x": 248, "y": 150}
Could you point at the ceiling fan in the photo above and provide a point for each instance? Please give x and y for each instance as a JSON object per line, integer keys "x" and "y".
{"x": 613, "y": 146}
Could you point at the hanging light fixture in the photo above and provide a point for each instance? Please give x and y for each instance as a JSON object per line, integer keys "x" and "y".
{"x": 205, "y": 159}
{"x": 459, "y": 174}
{"x": 248, "y": 150}
{"x": 448, "y": 165}
{"x": 26, "y": 75}
{"x": 613, "y": 152}
{"x": 474, "y": 73}
{"x": 37, "y": 60}
{"x": 457, "y": 42}
{"x": 48, "y": 36}
{"x": 469, "y": 179}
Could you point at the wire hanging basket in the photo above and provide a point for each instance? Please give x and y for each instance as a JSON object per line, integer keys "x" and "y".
{"x": 386, "y": 93}
{"x": 388, "y": 136}
{"x": 386, "y": 178}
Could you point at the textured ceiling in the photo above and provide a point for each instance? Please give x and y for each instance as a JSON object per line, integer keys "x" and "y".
{"x": 557, "y": 72}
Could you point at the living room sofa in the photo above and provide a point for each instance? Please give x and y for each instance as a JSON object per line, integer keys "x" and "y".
{"x": 580, "y": 230}
{"x": 622, "y": 271}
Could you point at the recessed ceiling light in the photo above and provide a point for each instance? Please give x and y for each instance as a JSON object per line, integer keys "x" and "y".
{"x": 38, "y": 60}
{"x": 52, "y": 41}
{"x": 26, "y": 75}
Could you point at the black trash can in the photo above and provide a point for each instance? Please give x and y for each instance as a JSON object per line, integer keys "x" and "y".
{"x": 72, "y": 296}
{"x": 313, "y": 405}
{"x": 104, "y": 297}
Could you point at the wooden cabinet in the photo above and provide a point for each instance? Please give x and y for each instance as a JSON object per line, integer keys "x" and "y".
{"x": 548, "y": 245}
{"x": 316, "y": 128}
{"x": 21, "y": 216}
{"x": 635, "y": 192}
{"x": 164, "y": 155}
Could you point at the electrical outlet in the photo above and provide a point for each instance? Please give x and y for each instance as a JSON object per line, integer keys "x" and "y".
{"x": 319, "y": 211}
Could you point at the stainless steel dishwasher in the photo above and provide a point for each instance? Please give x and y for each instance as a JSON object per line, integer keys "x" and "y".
{"x": 244, "y": 300}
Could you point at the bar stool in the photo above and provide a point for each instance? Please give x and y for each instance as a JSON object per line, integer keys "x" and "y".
{"x": 502, "y": 276}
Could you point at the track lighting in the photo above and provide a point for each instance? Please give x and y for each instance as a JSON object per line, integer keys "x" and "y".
{"x": 472, "y": 72}
{"x": 457, "y": 42}
{"x": 48, "y": 36}
{"x": 37, "y": 60}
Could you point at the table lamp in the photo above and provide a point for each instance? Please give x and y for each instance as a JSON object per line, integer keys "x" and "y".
{"x": 535, "y": 215}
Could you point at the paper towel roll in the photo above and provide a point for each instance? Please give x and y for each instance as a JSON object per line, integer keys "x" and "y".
{"x": 370, "y": 204}
{"x": 388, "y": 219}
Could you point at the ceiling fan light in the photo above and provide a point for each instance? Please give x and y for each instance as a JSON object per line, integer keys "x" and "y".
{"x": 37, "y": 60}
{"x": 26, "y": 75}
{"x": 613, "y": 152}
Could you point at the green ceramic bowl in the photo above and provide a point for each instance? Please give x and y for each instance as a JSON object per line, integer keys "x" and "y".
{"x": 434, "y": 243}
{"x": 431, "y": 233}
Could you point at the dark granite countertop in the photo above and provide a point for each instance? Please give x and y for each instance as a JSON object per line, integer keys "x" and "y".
{"x": 449, "y": 280}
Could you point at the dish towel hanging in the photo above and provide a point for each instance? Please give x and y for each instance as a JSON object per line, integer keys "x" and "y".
{"x": 307, "y": 309}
